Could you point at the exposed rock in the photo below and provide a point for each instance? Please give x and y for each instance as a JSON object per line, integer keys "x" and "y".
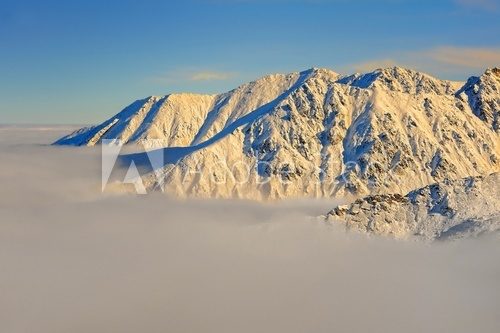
{"x": 449, "y": 209}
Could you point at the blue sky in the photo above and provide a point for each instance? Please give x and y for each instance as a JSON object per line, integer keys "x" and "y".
{"x": 82, "y": 61}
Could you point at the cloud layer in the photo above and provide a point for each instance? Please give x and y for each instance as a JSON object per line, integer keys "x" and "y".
{"x": 210, "y": 75}
{"x": 194, "y": 75}
{"x": 75, "y": 260}
{"x": 466, "y": 57}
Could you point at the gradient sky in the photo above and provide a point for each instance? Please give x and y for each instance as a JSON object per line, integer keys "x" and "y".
{"x": 83, "y": 61}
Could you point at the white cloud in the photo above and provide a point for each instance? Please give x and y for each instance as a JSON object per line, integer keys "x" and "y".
{"x": 464, "y": 56}
{"x": 76, "y": 260}
{"x": 211, "y": 75}
{"x": 191, "y": 75}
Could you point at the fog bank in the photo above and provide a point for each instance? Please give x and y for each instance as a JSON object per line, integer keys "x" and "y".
{"x": 75, "y": 260}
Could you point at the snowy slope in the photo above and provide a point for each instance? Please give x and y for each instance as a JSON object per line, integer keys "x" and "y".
{"x": 182, "y": 119}
{"x": 316, "y": 134}
{"x": 450, "y": 209}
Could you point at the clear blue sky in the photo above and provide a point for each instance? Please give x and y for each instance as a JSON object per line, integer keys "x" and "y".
{"x": 82, "y": 61}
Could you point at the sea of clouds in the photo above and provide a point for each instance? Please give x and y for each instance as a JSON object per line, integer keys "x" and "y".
{"x": 73, "y": 259}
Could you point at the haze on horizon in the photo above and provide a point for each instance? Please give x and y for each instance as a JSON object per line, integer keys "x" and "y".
{"x": 79, "y": 62}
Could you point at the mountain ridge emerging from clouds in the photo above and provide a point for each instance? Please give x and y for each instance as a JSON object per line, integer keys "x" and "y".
{"x": 316, "y": 134}
{"x": 450, "y": 209}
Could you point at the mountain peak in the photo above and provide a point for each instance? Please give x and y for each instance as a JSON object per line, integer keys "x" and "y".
{"x": 400, "y": 79}
{"x": 398, "y": 130}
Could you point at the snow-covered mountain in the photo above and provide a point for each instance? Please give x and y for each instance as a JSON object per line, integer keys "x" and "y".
{"x": 316, "y": 134}
{"x": 449, "y": 209}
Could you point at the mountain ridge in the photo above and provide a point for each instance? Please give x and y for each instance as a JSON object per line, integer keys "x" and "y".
{"x": 365, "y": 81}
{"x": 391, "y": 130}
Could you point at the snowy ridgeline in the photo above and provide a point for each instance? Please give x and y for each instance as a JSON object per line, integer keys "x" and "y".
{"x": 317, "y": 134}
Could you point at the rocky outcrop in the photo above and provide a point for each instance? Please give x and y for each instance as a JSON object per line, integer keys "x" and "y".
{"x": 449, "y": 209}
